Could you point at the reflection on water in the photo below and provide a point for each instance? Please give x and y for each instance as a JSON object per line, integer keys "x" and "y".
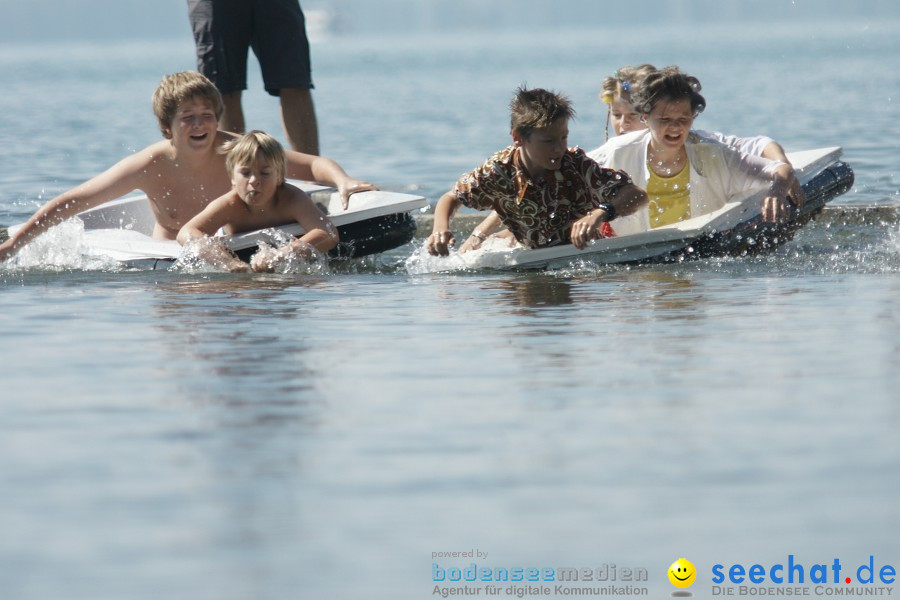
{"x": 669, "y": 295}
{"x": 236, "y": 340}
{"x": 534, "y": 292}
{"x": 248, "y": 436}
{"x": 191, "y": 463}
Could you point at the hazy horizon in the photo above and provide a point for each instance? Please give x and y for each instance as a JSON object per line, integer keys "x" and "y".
{"x": 99, "y": 20}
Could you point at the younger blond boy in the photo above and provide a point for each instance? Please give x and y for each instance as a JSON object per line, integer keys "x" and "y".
{"x": 259, "y": 199}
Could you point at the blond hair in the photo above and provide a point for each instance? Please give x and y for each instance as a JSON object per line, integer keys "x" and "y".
{"x": 622, "y": 83}
{"x": 250, "y": 147}
{"x": 180, "y": 87}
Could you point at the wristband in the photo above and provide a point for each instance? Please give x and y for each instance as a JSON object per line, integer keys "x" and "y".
{"x": 479, "y": 235}
{"x": 609, "y": 209}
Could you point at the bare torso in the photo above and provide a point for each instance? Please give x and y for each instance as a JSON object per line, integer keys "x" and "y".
{"x": 179, "y": 188}
{"x": 278, "y": 211}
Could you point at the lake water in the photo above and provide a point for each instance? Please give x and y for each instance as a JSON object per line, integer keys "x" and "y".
{"x": 203, "y": 435}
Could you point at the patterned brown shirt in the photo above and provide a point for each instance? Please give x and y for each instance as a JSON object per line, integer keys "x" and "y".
{"x": 539, "y": 212}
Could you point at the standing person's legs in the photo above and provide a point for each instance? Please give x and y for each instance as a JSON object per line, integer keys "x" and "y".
{"x": 222, "y": 36}
{"x": 298, "y": 115}
{"x": 280, "y": 43}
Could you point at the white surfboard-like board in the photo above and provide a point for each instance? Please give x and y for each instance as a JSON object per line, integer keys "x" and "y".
{"x": 670, "y": 238}
{"x": 122, "y": 229}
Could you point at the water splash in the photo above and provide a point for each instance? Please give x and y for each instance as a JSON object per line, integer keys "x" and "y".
{"x": 61, "y": 248}
{"x": 284, "y": 260}
{"x": 191, "y": 260}
{"x": 274, "y": 255}
{"x": 834, "y": 244}
{"x": 494, "y": 253}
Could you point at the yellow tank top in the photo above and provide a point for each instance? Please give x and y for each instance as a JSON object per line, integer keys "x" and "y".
{"x": 670, "y": 197}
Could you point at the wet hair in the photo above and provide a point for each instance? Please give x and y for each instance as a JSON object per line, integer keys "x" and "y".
{"x": 621, "y": 85}
{"x": 250, "y": 147}
{"x": 180, "y": 87}
{"x": 670, "y": 85}
{"x": 537, "y": 108}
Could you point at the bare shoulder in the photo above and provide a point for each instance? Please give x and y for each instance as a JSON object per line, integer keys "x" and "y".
{"x": 230, "y": 203}
{"x": 291, "y": 193}
{"x": 289, "y": 198}
{"x": 225, "y": 211}
{"x": 217, "y": 214}
{"x": 150, "y": 159}
{"x": 295, "y": 203}
{"x": 149, "y": 165}
{"x": 156, "y": 153}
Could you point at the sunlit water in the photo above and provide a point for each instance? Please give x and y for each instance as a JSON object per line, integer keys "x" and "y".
{"x": 191, "y": 434}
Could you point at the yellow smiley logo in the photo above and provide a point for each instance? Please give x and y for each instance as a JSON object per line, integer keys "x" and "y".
{"x": 682, "y": 573}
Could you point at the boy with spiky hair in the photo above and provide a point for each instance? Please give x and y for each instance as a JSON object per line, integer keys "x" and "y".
{"x": 543, "y": 191}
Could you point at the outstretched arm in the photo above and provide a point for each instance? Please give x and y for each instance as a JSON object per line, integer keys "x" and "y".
{"x": 795, "y": 193}
{"x": 118, "y": 180}
{"x": 775, "y": 207}
{"x": 324, "y": 170}
{"x": 747, "y": 170}
{"x": 784, "y": 187}
{"x": 441, "y": 238}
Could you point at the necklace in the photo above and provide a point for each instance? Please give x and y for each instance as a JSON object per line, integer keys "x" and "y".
{"x": 666, "y": 167}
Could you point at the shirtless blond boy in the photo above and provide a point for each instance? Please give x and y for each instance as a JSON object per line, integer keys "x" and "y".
{"x": 180, "y": 174}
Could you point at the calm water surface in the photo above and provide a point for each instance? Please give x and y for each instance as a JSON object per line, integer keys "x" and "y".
{"x": 201, "y": 435}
